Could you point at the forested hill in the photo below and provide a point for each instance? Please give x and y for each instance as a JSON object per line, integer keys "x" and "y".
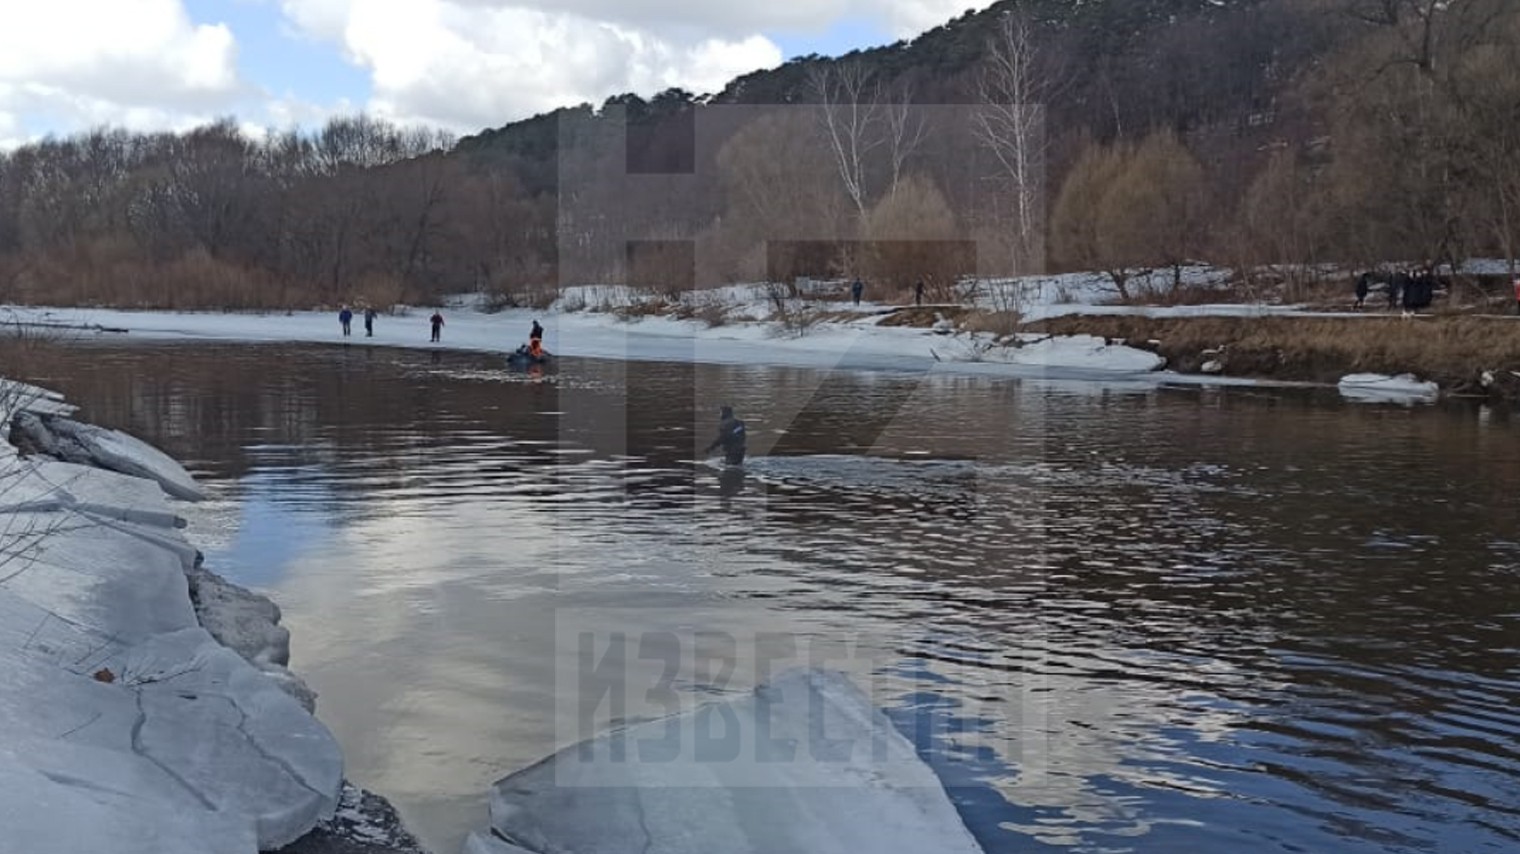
{"x": 1118, "y": 67}
{"x": 1239, "y": 132}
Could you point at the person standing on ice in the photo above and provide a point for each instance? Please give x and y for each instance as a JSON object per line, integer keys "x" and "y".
{"x": 437, "y": 321}
{"x": 345, "y": 317}
{"x": 731, "y": 436}
{"x": 857, "y": 289}
{"x": 369, "y": 322}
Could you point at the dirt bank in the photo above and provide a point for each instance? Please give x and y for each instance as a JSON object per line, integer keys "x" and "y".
{"x": 1454, "y": 351}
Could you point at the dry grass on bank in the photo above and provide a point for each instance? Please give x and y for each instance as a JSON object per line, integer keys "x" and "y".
{"x": 104, "y": 273}
{"x": 1452, "y": 350}
{"x": 926, "y": 316}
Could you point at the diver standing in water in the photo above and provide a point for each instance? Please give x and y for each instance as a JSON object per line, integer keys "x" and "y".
{"x": 731, "y": 436}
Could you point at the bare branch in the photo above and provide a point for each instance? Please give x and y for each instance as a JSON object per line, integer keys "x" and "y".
{"x": 849, "y": 119}
{"x": 1009, "y": 121}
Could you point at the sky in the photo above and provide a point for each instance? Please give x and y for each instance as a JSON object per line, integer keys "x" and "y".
{"x": 461, "y": 65}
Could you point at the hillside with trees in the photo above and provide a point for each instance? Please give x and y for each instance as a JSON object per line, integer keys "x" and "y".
{"x": 1036, "y": 135}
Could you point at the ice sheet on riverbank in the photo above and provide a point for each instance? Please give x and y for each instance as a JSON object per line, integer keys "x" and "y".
{"x": 1381, "y": 388}
{"x": 855, "y": 341}
{"x": 805, "y": 763}
{"x": 73, "y": 441}
{"x": 128, "y": 728}
{"x": 1086, "y": 352}
{"x": 19, "y": 396}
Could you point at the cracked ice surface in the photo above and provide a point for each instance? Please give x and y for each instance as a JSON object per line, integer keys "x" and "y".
{"x": 804, "y": 763}
{"x": 128, "y": 728}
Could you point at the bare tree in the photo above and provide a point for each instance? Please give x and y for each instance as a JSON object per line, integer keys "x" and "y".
{"x": 1010, "y": 123}
{"x": 861, "y": 115}
{"x": 850, "y": 114}
{"x": 906, "y": 129}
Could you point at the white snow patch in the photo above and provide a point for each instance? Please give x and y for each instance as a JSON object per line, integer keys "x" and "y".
{"x": 1085, "y": 288}
{"x": 805, "y": 763}
{"x": 1382, "y": 388}
{"x": 1086, "y": 352}
{"x": 128, "y": 728}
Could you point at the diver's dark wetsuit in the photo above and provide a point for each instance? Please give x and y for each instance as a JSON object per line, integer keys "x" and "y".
{"x": 731, "y": 436}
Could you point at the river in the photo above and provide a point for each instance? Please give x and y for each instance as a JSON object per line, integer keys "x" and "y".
{"x": 1112, "y": 618}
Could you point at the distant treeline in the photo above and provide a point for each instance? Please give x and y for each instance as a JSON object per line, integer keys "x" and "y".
{"x": 1035, "y": 135}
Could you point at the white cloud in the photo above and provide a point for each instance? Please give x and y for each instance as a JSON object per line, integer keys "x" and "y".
{"x": 139, "y": 63}
{"x": 66, "y": 65}
{"x": 740, "y": 19}
{"x": 907, "y": 18}
{"x": 468, "y": 64}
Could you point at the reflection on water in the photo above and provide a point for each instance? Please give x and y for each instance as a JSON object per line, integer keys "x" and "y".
{"x": 1113, "y": 619}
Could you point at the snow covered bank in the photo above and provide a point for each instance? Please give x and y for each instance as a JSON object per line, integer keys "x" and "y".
{"x": 851, "y": 341}
{"x": 129, "y": 727}
{"x": 1381, "y": 388}
{"x": 804, "y": 764}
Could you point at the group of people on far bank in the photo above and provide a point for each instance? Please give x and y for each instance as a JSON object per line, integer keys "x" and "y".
{"x": 1410, "y": 288}
{"x": 534, "y": 347}
{"x": 346, "y": 319}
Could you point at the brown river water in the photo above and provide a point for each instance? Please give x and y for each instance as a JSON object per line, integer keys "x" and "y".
{"x": 1112, "y": 618}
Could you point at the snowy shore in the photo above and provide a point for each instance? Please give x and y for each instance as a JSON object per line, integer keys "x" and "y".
{"x": 853, "y": 340}
{"x": 147, "y": 701}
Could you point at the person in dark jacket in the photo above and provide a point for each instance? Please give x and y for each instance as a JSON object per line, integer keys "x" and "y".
{"x": 856, "y": 289}
{"x": 1420, "y": 290}
{"x": 369, "y": 321}
{"x": 918, "y": 293}
{"x": 1363, "y": 285}
{"x": 537, "y": 334}
{"x": 437, "y": 321}
{"x": 345, "y": 317}
{"x": 731, "y": 436}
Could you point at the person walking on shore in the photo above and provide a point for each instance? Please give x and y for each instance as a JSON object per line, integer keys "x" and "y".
{"x": 856, "y": 289}
{"x": 369, "y": 322}
{"x": 437, "y": 321}
{"x": 345, "y": 317}
{"x": 918, "y": 293}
